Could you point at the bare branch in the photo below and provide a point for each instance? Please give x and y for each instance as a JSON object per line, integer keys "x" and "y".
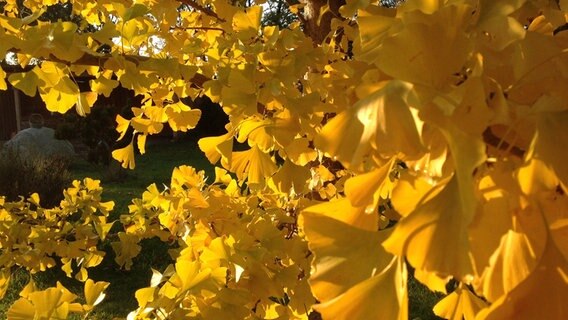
{"x": 491, "y": 139}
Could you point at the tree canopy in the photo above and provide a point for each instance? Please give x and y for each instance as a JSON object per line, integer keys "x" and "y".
{"x": 380, "y": 134}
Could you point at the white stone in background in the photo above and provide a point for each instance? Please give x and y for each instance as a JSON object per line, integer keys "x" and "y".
{"x": 40, "y": 141}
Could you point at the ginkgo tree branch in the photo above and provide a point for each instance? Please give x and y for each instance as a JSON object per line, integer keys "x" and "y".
{"x": 95, "y": 60}
{"x": 491, "y": 139}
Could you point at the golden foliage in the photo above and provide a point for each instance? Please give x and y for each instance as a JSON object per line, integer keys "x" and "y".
{"x": 431, "y": 135}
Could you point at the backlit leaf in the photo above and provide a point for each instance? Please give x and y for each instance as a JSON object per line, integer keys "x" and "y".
{"x": 27, "y": 82}
{"x": 125, "y": 156}
{"x": 434, "y": 236}
{"x": 332, "y": 241}
{"x": 253, "y": 165}
{"x": 365, "y": 190}
{"x": 247, "y": 23}
{"x": 5, "y": 274}
{"x": 460, "y": 304}
{"x": 382, "y": 120}
{"x": 527, "y": 299}
{"x": 3, "y": 85}
{"x": 216, "y": 148}
{"x": 94, "y": 292}
{"x": 360, "y": 301}
{"x": 511, "y": 263}
{"x": 427, "y": 53}
{"x": 551, "y": 139}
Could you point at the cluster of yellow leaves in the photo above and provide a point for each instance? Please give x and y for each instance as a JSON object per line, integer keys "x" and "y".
{"x": 236, "y": 255}
{"x": 56, "y": 302}
{"x": 431, "y": 134}
{"x": 33, "y": 238}
{"x": 455, "y": 87}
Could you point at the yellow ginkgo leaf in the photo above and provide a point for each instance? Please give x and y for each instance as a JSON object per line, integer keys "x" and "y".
{"x": 85, "y": 102}
{"x": 383, "y": 120}
{"x": 427, "y": 51}
{"x": 27, "y": 82}
{"x": 510, "y": 264}
{"x": 350, "y": 8}
{"x": 290, "y": 178}
{"x": 189, "y": 274}
{"x": 52, "y": 302}
{"x": 542, "y": 295}
{"x": 253, "y": 130}
{"x": 94, "y": 292}
{"x": 499, "y": 194}
{"x": 434, "y": 236}
{"x": 5, "y": 274}
{"x": 552, "y": 141}
{"x": 237, "y": 103}
{"x": 60, "y": 41}
{"x": 299, "y": 152}
{"x": 360, "y": 301}
{"x": 144, "y": 296}
{"x": 284, "y": 127}
{"x": 342, "y": 210}
{"x": 432, "y": 164}
{"x": 222, "y": 176}
{"x": 499, "y": 29}
{"x": 461, "y": 304}
{"x": 141, "y": 142}
{"x": 431, "y": 280}
{"x": 242, "y": 80}
{"x": 22, "y": 309}
{"x": 137, "y": 10}
{"x": 183, "y": 120}
{"x": 247, "y": 23}
{"x": 372, "y": 31}
{"x": 332, "y": 242}
{"x": 215, "y": 253}
{"x": 122, "y": 126}
{"x": 125, "y": 156}
{"x": 536, "y": 177}
{"x": 29, "y": 288}
{"x": 366, "y": 189}
{"x": 537, "y": 64}
{"x": 187, "y": 176}
{"x": 254, "y": 165}
{"x": 3, "y": 85}
{"x": 146, "y": 126}
{"x": 103, "y": 86}
{"x": 57, "y": 101}
{"x": 126, "y": 249}
{"x": 216, "y": 148}
{"x": 82, "y": 274}
{"x": 408, "y": 192}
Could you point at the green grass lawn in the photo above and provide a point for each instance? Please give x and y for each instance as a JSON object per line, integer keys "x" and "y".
{"x": 153, "y": 167}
